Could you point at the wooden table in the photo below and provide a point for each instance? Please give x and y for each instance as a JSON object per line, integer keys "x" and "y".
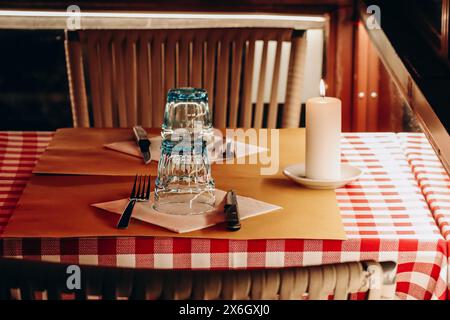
{"x": 385, "y": 214}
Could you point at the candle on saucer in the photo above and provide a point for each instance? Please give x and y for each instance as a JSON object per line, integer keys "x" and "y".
{"x": 323, "y": 136}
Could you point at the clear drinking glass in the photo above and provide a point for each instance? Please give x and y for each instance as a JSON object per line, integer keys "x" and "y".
{"x": 184, "y": 184}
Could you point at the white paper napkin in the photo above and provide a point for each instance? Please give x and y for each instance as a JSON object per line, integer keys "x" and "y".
{"x": 144, "y": 211}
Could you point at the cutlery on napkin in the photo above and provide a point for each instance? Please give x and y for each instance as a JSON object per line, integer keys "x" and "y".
{"x": 248, "y": 207}
{"x": 140, "y": 192}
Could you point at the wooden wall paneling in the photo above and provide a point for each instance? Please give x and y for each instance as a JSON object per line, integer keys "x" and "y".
{"x": 390, "y": 103}
{"x": 339, "y": 61}
{"x": 373, "y": 78}
{"x": 359, "y": 118}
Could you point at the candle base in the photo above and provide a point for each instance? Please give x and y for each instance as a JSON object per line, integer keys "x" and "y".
{"x": 296, "y": 172}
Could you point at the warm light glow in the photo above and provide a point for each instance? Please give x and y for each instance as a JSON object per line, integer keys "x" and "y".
{"x": 322, "y": 88}
{"x": 17, "y": 13}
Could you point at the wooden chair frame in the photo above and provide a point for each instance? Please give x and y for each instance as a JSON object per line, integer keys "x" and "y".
{"x": 29, "y": 280}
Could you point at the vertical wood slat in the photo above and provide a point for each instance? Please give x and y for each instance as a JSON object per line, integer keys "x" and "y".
{"x": 197, "y": 61}
{"x": 144, "y": 105}
{"x": 220, "y": 115}
{"x": 131, "y": 78}
{"x": 273, "y": 104}
{"x": 211, "y": 47}
{"x": 94, "y": 76}
{"x": 157, "y": 95}
{"x": 246, "y": 111}
{"x": 236, "y": 62}
{"x": 106, "y": 80}
{"x": 169, "y": 62}
{"x": 119, "y": 78}
{"x": 183, "y": 60}
{"x": 259, "y": 108}
{"x": 293, "y": 102}
{"x": 75, "y": 73}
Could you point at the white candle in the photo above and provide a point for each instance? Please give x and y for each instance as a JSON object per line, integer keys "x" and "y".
{"x": 323, "y": 136}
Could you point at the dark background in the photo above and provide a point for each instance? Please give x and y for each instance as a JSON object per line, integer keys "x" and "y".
{"x": 34, "y": 93}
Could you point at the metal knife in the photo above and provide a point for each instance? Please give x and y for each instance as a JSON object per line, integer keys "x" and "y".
{"x": 232, "y": 211}
{"x": 143, "y": 142}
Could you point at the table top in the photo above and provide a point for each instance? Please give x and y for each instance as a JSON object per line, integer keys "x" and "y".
{"x": 385, "y": 214}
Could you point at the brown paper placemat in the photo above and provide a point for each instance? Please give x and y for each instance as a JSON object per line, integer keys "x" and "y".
{"x": 60, "y": 206}
{"x": 82, "y": 151}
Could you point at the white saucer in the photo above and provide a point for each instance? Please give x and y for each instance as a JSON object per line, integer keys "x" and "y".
{"x": 296, "y": 172}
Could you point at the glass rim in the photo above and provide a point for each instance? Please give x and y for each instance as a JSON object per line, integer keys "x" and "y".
{"x": 187, "y": 94}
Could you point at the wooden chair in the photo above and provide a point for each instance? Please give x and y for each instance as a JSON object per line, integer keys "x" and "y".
{"x": 28, "y": 280}
{"x": 130, "y": 72}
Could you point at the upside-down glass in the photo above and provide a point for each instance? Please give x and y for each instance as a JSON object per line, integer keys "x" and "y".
{"x": 184, "y": 184}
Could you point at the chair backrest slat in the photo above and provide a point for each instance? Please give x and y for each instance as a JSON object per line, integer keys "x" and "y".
{"x": 197, "y": 62}
{"x": 210, "y": 68}
{"x": 273, "y": 104}
{"x": 183, "y": 60}
{"x": 145, "y": 114}
{"x": 118, "y": 79}
{"x": 246, "y": 110}
{"x": 170, "y": 62}
{"x": 220, "y": 110}
{"x": 130, "y": 72}
{"x": 106, "y": 80}
{"x": 77, "y": 86}
{"x": 296, "y": 74}
{"x": 259, "y": 108}
{"x": 94, "y": 76}
{"x": 156, "y": 75}
{"x": 236, "y": 71}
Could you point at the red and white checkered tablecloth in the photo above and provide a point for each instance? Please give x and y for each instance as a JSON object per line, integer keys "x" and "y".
{"x": 385, "y": 216}
{"x": 432, "y": 178}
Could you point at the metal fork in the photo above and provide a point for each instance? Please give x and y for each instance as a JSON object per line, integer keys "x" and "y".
{"x": 139, "y": 193}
